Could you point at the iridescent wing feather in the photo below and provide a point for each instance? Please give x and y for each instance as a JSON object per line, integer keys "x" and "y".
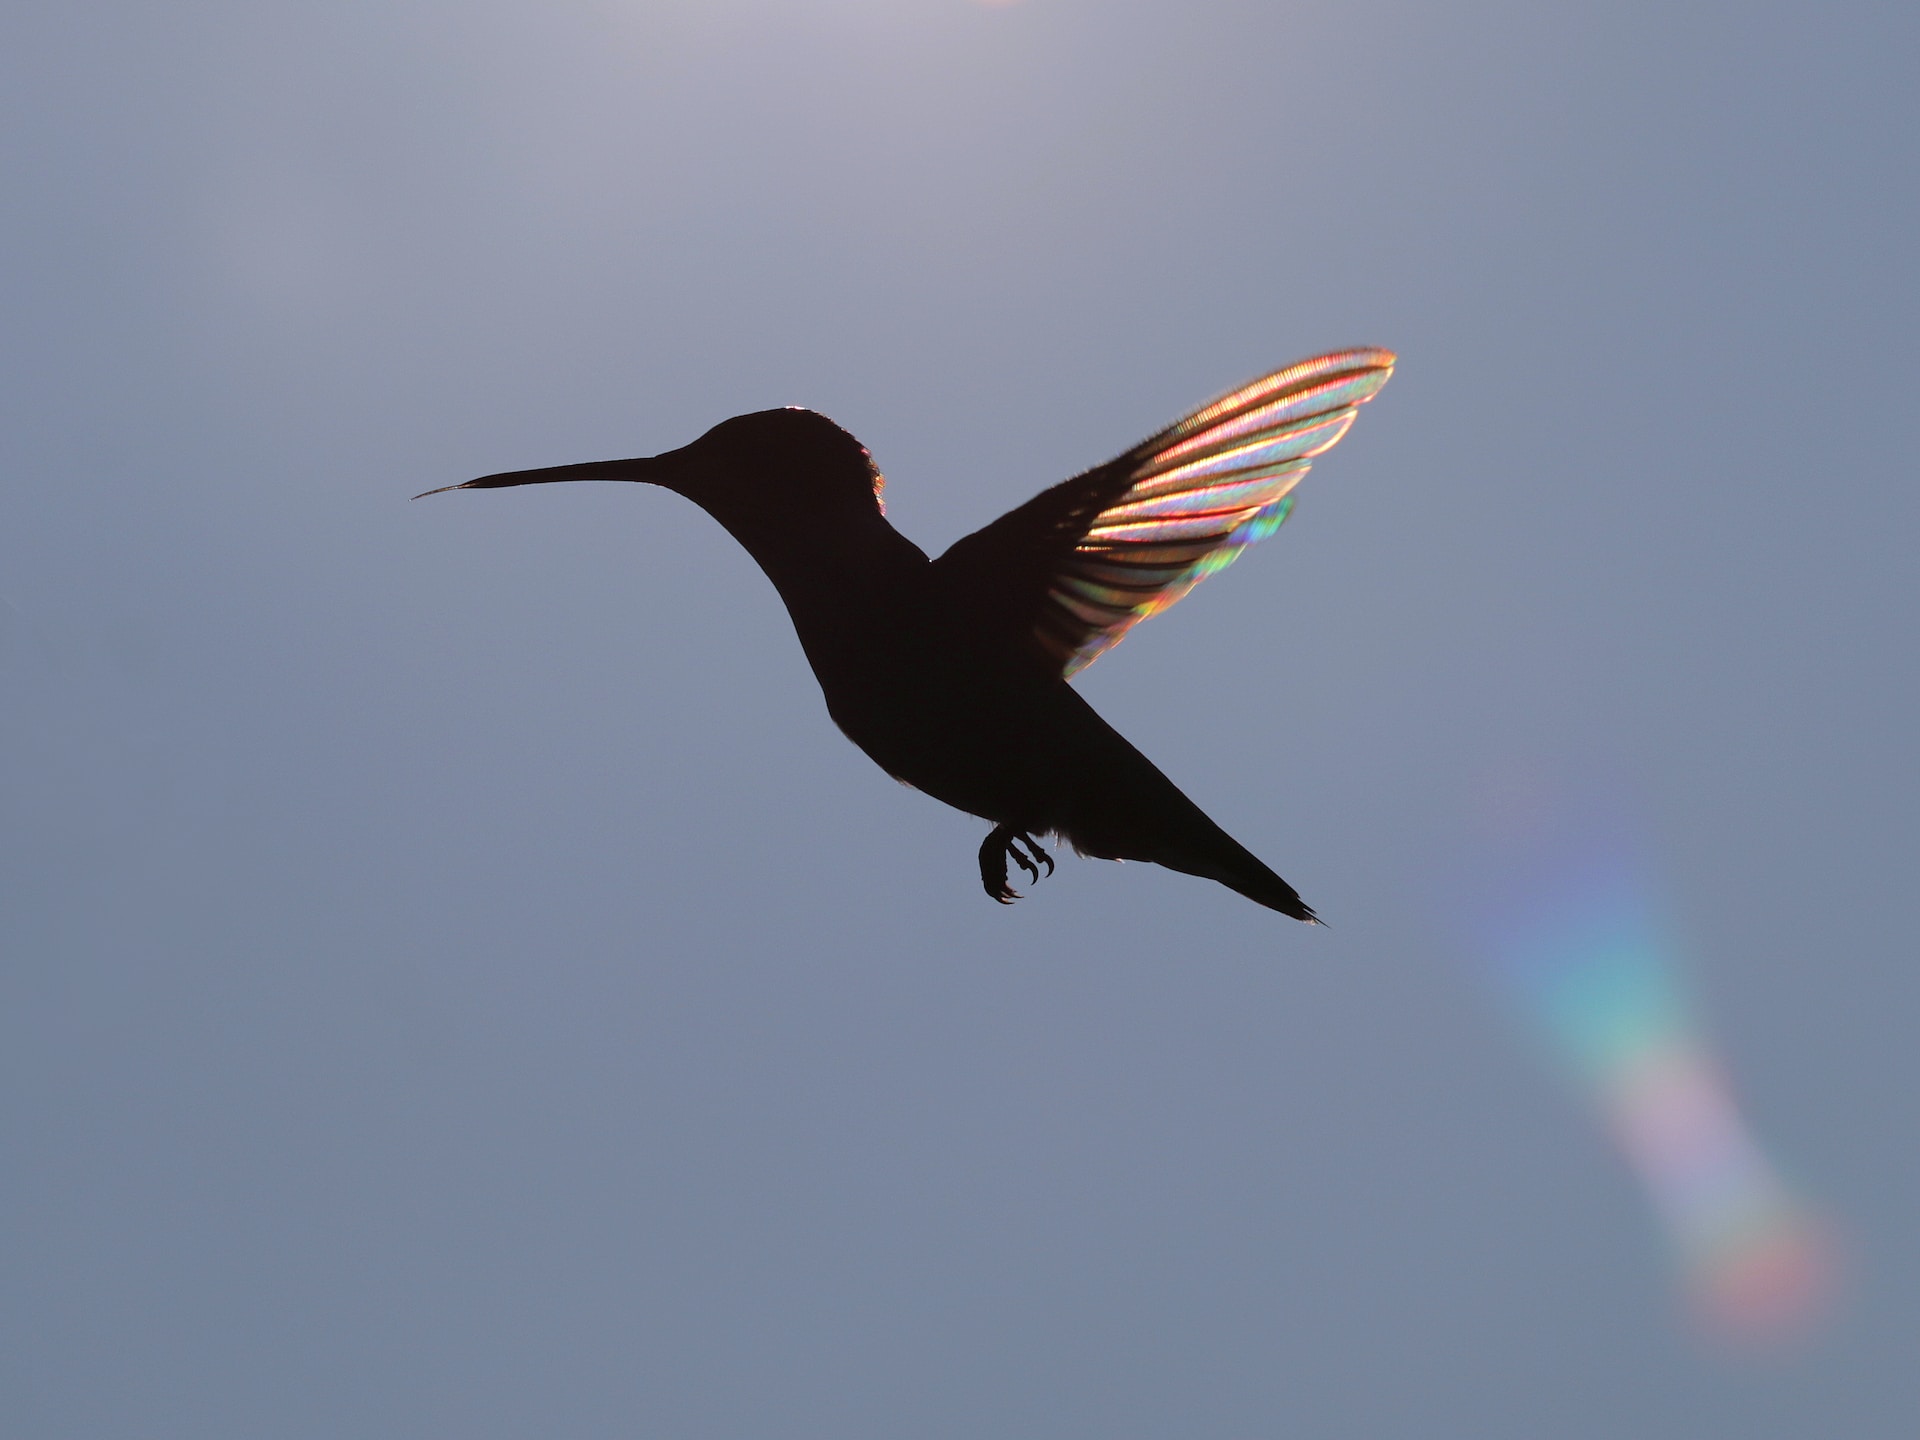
{"x": 1089, "y": 559}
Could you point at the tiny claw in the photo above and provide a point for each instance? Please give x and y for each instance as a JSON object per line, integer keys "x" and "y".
{"x": 1042, "y": 856}
{"x": 1033, "y": 870}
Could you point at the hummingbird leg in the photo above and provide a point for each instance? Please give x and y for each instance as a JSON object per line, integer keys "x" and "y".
{"x": 1020, "y": 858}
{"x": 1033, "y": 846}
{"x": 1003, "y": 842}
{"x": 993, "y": 864}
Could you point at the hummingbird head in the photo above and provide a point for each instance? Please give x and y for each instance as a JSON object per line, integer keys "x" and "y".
{"x": 788, "y": 462}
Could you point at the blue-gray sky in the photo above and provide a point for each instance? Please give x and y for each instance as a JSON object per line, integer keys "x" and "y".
{"x": 458, "y": 982}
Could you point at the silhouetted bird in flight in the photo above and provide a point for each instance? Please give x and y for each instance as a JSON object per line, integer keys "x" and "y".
{"x": 952, "y": 673}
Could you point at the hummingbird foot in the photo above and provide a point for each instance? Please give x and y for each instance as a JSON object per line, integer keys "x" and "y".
{"x": 1003, "y": 843}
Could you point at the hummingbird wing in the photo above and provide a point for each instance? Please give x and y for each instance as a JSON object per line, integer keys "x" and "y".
{"x": 1079, "y": 565}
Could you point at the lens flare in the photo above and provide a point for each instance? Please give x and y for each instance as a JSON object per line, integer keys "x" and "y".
{"x": 1578, "y": 942}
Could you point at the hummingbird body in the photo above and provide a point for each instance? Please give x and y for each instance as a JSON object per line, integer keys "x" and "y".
{"x": 952, "y": 674}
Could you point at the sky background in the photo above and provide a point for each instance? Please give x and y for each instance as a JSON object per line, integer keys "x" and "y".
{"x": 456, "y": 980}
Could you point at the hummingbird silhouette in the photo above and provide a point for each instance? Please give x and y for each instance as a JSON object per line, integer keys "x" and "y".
{"x": 951, "y": 674}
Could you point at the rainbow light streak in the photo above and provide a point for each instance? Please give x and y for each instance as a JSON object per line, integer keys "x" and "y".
{"x": 1578, "y": 943}
{"x": 1198, "y": 494}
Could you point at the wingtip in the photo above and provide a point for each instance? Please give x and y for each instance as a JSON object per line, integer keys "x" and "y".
{"x": 443, "y": 489}
{"x": 1359, "y": 357}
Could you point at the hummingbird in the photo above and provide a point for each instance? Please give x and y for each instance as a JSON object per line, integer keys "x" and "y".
{"x": 952, "y": 674}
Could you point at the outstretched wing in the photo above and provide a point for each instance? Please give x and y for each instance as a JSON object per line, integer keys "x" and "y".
{"x": 1079, "y": 565}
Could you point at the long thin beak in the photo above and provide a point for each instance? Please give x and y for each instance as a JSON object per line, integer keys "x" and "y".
{"x": 647, "y": 469}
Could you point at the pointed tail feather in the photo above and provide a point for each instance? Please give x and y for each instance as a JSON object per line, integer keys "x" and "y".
{"x": 1276, "y": 894}
{"x": 1240, "y": 870}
